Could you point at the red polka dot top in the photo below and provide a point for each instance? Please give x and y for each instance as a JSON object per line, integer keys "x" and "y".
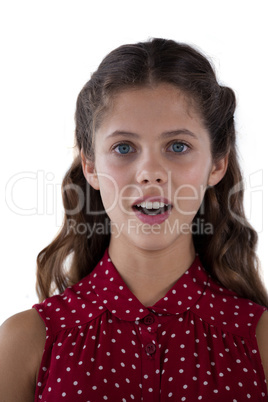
{"x": 197, "y": 343}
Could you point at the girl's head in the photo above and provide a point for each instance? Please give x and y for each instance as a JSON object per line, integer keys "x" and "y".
{"x": 122, "y": 86}
{"x": 228, "y": 250}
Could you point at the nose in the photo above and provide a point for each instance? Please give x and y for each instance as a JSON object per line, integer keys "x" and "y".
{"x": 151, "y": 172}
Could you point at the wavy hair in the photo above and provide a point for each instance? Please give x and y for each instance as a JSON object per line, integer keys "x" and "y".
{"x": 229, "y": 254}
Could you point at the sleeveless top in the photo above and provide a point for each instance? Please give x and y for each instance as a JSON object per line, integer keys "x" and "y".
{"x": 197, "y": 343}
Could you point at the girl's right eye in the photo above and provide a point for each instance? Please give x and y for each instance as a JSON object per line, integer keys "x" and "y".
{"x": 123, "y": 149}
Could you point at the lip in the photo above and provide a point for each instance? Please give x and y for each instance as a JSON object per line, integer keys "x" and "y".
{"x": 152, "y": 219}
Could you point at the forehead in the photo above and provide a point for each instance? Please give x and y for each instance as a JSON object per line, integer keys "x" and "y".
{"x": 157, "y": 96}
{"x": 144, "y": 109}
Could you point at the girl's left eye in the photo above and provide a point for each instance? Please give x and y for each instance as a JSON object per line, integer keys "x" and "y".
{"x": 123, "y": 149}
{"x": 178, "y": 147}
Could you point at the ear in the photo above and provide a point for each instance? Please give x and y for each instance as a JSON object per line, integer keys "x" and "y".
{"x": 218, "y": 171}
{"x": 89, "y": 172}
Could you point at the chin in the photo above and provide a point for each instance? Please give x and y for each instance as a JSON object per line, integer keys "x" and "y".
{"x": 153, "y": 243}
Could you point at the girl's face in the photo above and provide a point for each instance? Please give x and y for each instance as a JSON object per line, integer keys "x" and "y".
{"x": 152, "y": 166}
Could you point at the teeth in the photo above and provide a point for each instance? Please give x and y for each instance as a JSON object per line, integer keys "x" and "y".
{"x": 157, "y": 205}
{"x": 152, "y": 205}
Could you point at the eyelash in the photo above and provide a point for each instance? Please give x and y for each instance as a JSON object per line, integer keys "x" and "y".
{"x": 129, "y": 153}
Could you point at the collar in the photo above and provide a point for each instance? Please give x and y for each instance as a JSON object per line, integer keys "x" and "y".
{"x": 114, "y": 294}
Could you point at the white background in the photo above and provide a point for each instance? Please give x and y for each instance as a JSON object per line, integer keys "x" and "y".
{"x": 48, "y": 51}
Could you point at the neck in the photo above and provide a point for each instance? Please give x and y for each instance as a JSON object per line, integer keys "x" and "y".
{"x": 150, "y": 274}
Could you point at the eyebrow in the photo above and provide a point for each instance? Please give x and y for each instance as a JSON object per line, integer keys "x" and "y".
{"x": 165, "y": 134}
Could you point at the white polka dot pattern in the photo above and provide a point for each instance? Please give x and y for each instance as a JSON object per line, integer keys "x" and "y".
{"x": 197, "y": 343}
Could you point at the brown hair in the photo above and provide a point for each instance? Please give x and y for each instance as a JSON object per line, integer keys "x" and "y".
{"x": 229, "y": 254}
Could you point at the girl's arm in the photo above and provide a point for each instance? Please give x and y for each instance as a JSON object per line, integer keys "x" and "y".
{"x": 262, "y": 339}
{"x": 22, "y": 340}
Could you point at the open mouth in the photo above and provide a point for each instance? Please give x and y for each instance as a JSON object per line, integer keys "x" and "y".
{"x": 152, "y": 208}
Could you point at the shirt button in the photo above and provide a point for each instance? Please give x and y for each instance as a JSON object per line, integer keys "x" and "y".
{"x": 148, "y": 320}
{"x": 150, "y": 348}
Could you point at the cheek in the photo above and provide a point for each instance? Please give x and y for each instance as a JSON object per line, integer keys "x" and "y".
{"x": 188, "y": 198}
{"x": 190, "y": 190}
{"x": 196, "y": 172}
{"x": 192, "y": 176}
{"x": 108, "y": 191}
{"x": 113, "y": 183}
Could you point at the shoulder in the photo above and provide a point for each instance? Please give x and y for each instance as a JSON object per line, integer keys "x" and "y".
{"x": 22, "y": 340}
{"x": 25, "y": 332}
{"x": 262, "y": 336}
{"x": 76, "y": 306}
{"x": 224, "y": 308}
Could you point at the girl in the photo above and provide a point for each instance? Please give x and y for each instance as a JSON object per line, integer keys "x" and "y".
{"x": 158, "y": 292}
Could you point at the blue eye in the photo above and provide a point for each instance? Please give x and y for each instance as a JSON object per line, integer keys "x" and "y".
{"x": 178, "y": 147}
{"x": 123, "y": 149}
